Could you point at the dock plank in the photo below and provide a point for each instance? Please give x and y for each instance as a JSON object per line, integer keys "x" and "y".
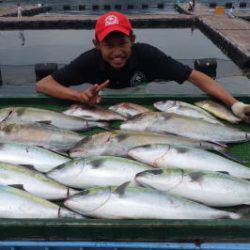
{"x": 230, "y": 34}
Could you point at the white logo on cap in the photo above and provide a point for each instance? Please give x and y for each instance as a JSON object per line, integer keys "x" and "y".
{"x": 111, "y": 20}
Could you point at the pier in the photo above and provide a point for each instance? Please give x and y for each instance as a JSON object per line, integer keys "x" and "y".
{"x": 230, "y": 34}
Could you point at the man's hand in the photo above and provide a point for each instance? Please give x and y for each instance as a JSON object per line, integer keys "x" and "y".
{"x": 91, "y": 95}
{"x": 242, "y": 110}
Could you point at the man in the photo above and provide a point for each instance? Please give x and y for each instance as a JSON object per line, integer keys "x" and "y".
{"x": 19, "y": 11}
{"x": 118, "y": 62}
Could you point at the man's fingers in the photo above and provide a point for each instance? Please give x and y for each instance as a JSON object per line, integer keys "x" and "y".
{"x": 103, "y": 85}
{"x": 98, "y": 99}
{"x": 88, "y": 94}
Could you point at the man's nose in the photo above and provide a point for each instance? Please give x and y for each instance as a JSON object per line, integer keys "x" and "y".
{"x": 117, "y": 51}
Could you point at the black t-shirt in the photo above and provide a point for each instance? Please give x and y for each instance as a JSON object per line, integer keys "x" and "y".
{"x": 146, "y": 64}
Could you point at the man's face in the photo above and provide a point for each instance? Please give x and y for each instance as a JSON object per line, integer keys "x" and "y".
{"x": 116, "y": 49}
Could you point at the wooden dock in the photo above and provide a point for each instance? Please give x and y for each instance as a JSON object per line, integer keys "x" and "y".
{"x": 232, "y": 35}
{"x": 27, "y": 10}
{"x": 87, "y": 22}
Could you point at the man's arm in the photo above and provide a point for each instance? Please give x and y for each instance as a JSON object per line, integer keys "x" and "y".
{"x": 51, "y": 87}
{"x": 213, "y": 88}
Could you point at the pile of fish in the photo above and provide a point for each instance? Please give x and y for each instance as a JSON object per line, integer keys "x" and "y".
{"x": 168, "y": 163}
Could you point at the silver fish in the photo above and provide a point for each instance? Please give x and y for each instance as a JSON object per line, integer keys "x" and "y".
{"x": 41, "y": 159}
{"x": 125, "y": 202}
{"x": 185, "y": 126}
{"x": 31, "y": 115}
{"x": 19, "y": 204}
{"x": 93, "y": 113}
{"x": 165, "y": 156}
{"x": 210, "y": 188}
{"x": 97, "y": 171}
{"x": 120, "y": 142}
{"x": 128, "y": 109}
{"x": 33, "y": 182}
{"x": 218, "y": 110}
{"x": 43, "y": 135}
{"x": 186, "y": 109}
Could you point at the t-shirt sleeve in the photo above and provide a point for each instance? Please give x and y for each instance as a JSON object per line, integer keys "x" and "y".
{"x": 79, "y": 71}
{"x": 167, "y": 68}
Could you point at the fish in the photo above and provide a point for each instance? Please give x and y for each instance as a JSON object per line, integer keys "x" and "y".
{"x": 168, "y": 156}
{"x": 32, "y": 115}
{"x": 119, "y": 142}
{"x": 19, "y": 204}
{"x": 33, "y": 182}
{"x": 218, "y": 110}
{"x": 217, "y": 189}
{"x": 39, "y": 158}
{"x": 93, "y": 113}
{"x": 37, "y": 134}
{"x": 128, "y": 109}
{"x": 97, "y": 171}
{"x": 125, "y": 202}
{"x": 198, "y": 129}
{"x": 186, "y": 109}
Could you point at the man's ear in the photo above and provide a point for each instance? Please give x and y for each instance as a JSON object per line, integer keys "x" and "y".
{"x": 133, "y": 38}
{"x": 96, "y": 43}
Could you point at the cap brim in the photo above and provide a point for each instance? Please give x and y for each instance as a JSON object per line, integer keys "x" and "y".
{"x": 110, "y": 29}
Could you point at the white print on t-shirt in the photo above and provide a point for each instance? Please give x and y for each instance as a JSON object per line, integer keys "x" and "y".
{"x": 111, "y": 20}
{"x": 137, "y": 78}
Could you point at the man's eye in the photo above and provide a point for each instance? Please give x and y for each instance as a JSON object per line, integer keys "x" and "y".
{"x": 108, "y": 46}
{"x": 123, "y": 44}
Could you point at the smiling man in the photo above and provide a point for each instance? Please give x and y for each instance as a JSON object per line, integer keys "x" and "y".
{"x": 118, "y": 62}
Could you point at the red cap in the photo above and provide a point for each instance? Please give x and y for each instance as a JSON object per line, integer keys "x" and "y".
{"x": 112, "y": 21}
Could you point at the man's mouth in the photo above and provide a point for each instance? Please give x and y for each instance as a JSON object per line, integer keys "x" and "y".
{"x": 118, "y": 60}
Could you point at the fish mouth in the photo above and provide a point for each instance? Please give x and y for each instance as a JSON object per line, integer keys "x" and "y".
{"x": 7, "y": 116}
{"x": 150, "y": 171}
{"x": 76, "y": 153}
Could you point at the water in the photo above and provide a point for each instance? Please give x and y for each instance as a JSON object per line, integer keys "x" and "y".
{"x": 61, "y": 46}
{"x": 20, "y": 50}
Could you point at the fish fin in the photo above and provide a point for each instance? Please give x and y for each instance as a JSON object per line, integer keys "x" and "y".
{"x": 103, "y": 125}
{"x": 233, "y": 157}
{"x": 196, "y": 176}
{"x": 182, "y": 150}
{"x": 62, "y": 153}
{"x": 150, "y": 171}
{"x": 88, "y": 117}
{"x": 223, "y": 172}
{"x": 48, "y": 122}
{"x": 120, "y": 190}
{"x": 18, "y": 186}
{"x": 84, "y": 140}
{"x": 96, "y": 163}
{"x": 45, "y": 124}
{"x": 121, "y": 137}
{"x": 28, "y": 166}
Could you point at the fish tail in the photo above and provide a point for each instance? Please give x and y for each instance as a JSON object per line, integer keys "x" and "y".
{"x": 247, "y": 136}
{"x": 228, "y": 215}
{"x": 233, "y": 157}
{"x": 105, "y": 125}
{"x": 235, "y": 216}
